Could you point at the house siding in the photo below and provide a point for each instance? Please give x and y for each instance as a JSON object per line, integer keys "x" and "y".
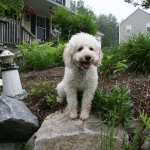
{"x": 27, "y": 24}
{"x": 137, "y": 21}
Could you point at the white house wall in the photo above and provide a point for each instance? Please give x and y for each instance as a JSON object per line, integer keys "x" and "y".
{"x": 137, "y": 21}
{"x": 27, "y": 24}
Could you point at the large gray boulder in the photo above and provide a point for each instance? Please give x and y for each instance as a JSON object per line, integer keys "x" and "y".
{"x": 59, "y": 132}
{"x": 16, "y": 120}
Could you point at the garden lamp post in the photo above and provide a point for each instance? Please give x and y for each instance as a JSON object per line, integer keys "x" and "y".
{"x": 10, "y": 76}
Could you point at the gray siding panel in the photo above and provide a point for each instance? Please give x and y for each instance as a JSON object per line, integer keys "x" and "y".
{"x": 137, "y": 21}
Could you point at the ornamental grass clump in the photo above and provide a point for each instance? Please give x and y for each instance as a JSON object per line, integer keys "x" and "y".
{"x": 136, "y": 50}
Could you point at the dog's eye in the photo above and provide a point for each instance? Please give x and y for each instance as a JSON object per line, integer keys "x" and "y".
{"x": 91, "y": 48}
{"x": 80, "y": 49}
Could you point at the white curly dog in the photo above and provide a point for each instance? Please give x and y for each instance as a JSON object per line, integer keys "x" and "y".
{"x": 82, "y": 56}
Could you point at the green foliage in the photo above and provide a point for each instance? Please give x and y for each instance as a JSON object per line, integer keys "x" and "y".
{"x": 80, "y": 7}
{"x": 112, "y": 61}
{"x": 108, "y": 25}
{"x": 39, "y": 57}
{"x": 120, "y": 66}
{"x": 114, "y": 106}
{"x": 135, "y": 141}
{"x": 144, "y": 4}
{"x": 145, "y": 119}
{"x": 9, "y": 5}
{"x": 51, "y": 100}
{"x": 2, "y": 9}
{"x": 70, "y": 23}
{"x": 45, "y": 90}
{"x": 136, "y": 50}
{"x": 134, "y": 53}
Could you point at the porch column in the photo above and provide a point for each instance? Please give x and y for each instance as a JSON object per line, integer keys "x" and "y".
{"x": 50, "y": 25}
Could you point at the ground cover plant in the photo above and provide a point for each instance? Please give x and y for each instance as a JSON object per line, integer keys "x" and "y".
{"x": 45, "y": 90}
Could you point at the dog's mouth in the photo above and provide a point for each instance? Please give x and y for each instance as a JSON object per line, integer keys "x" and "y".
{"x": 86, "y": 65}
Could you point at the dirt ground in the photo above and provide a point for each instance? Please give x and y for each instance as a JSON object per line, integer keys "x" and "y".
{"x": 139, "y": 84}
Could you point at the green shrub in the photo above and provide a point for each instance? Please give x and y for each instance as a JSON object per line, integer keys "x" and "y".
{"x": 115, "y": 107}
{"x": 112, "y": 61}
{"x": 39, "y": 57}
{"x": 136, "y": 50}
{"x": 45, "y": 90}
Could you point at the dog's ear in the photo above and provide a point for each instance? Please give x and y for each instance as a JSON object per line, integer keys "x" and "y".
{"x": 100, "y": 57}
{"x": 67, "y": 56}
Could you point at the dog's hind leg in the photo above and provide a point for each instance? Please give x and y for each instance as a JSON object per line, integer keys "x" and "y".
{"x": 61, "y": 92}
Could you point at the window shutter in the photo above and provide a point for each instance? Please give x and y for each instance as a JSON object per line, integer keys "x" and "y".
{"x": 64, "y": 2}
{"x": 47, "y": 29}
{"x": 33, "y": 24}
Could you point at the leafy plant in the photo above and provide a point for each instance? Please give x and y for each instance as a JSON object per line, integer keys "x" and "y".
{"x": 120, "y": 66}
{"x": 146, "y": 122}
{"x": 39, "y": 57}
{"x": 9, "y": 7}
{"x": 136, "y": 50}
{"x": 145, "y": 119}
{"x": 115, "y": 104}
{"x": 45, "y": 90}
{"x": 111, "y": 60}
{"x": 135, "y": 141}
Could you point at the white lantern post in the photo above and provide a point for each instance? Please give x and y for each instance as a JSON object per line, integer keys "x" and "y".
{"x": 10, "y": 76}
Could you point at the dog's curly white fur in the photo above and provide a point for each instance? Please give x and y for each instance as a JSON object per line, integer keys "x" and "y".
{"x": 82, "y": 56}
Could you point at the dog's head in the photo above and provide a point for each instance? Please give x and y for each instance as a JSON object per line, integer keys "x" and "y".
{"x": 83, "y": 50}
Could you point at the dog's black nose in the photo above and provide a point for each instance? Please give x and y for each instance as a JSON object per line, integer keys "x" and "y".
{"x": 87, "y": 57}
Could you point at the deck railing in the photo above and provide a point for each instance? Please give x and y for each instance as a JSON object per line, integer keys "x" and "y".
{"x": 13, "y": 33}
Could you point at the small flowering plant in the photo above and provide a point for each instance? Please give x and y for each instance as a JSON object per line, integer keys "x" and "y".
{"x": 29, "y": 10}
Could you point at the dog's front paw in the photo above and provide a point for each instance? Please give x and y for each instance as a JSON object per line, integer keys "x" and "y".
{"x": 73, "y": 115}
{"x": 84, "y": 116}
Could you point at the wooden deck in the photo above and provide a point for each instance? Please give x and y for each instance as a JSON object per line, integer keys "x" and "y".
{"x": 13, "y": 33}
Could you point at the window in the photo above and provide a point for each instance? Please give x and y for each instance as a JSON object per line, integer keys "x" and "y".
{"x": 59, "y": 1}
{"x": 41, "y": 27}
{"x": 128, "y": 28}
{"x": 147, "y": 26}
